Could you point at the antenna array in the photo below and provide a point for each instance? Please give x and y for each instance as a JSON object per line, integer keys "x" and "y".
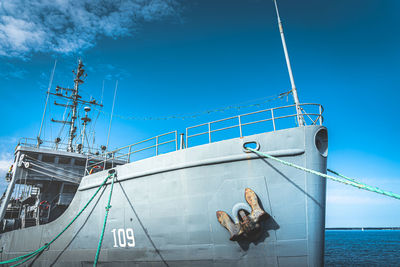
{"x": 72, "y": 95}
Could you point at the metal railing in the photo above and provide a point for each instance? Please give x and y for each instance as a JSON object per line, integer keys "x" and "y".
{"x": 312, "y": 118}
{"x": 311, "y": 115}
{"x": 123, "y": 155}
{"x": 32, "y": 142}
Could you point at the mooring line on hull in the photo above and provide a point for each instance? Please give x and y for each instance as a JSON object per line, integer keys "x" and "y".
{"x": 96, "y": 259}
{"x": 27, "y": 257}
{"x": 343, "y": 179}
{"x": 142, "y": 225}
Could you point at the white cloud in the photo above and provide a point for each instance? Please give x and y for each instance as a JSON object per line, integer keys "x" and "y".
{"x": 67, "y": 26}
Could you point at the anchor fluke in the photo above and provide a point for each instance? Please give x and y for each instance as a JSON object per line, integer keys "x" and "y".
{"x": 257, "y": 213}
{"x": 226, "y": 221}
{"x": 247, "y": 225}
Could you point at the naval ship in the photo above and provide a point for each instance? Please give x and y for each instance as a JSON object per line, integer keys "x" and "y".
{"x": 201, "y": 197}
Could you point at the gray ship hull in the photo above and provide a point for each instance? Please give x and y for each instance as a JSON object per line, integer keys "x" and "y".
{"x": 164, "y": 209}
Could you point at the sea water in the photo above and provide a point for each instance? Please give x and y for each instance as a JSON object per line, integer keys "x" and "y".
{"x": 362, "y": 248}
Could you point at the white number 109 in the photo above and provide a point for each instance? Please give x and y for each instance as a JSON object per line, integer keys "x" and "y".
{"x": 125, "y": 237}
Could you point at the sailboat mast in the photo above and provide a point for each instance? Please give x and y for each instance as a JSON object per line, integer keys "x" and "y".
{"x": 300, "y": 118}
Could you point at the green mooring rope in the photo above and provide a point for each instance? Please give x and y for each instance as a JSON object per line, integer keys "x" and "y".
{"x": 368, "y": 187}
{"x": 26, "y": 257}
{"x": 345, "y": 180}
{"x": 96, "y": 259}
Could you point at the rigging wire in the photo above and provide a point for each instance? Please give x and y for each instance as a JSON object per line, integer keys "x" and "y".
{"x": 50, "y": 124}
{"x": 89, "y": 147}
{"x": 200, "y": 113}
{"x": 92, "y": 131}
{"x": 47, "y": 97}
{"x": 112, "y": 112}
{"x": 78, "y": 126}
{"x": 63, "y": 118}
{"x": 102, "y": 94}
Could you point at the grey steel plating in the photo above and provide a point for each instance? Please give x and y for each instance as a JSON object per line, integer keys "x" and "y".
{"x": 164, "y": 208}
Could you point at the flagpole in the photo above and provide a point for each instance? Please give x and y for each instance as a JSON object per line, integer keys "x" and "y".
{"x": 300, "y": 118}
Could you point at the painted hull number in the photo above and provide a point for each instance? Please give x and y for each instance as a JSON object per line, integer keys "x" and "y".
{"x": 123, "y": 238}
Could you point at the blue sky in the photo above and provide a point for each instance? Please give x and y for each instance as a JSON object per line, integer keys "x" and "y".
{"x": 182, "y": 57}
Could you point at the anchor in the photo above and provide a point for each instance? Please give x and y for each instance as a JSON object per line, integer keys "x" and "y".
{"x": 248, "y": 225}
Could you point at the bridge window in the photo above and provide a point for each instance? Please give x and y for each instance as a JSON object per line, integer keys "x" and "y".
{"x": 63, "y": 160}
{"x": 80, "y": 162}
{"x": 48, "y": 158}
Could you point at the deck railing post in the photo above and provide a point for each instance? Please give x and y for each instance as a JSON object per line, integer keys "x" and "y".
{"x": 273, "y": 118}
{"x": 209, "y": 132}
{"x": 182, "y": 142}
{"x": 129, "y": 154}
{"x": 156, "y": 145}
{"x": 240, "y": 126}
{"x": 176, "y": 140}
{"x": 86, "y": 166}
{"x": 187, "y": 144}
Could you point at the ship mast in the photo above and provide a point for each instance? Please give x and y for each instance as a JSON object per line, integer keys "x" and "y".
{"x": 300, "y": 118}
{"x": 72, "y": 94}
{"x": 77, "y": 81}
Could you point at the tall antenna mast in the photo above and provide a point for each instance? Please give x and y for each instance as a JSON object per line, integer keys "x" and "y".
{"x": 39, "y": 141}
{"x": 72, "y": 95}
{"x": 77, "y": 81}
{"x": 300, "y": 118}
{"x": 112, "y": 113}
